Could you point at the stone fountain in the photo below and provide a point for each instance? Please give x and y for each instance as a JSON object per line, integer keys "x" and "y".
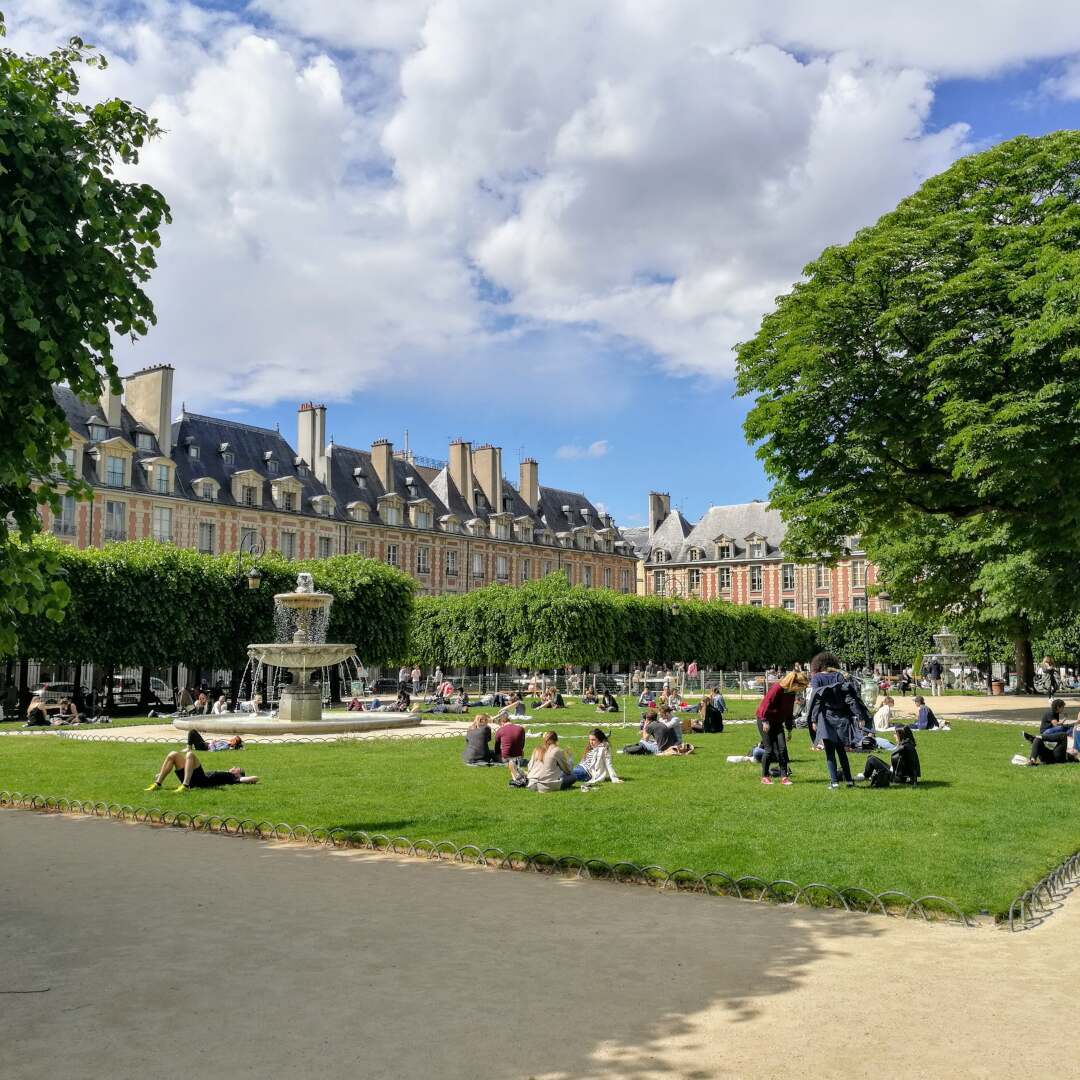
{"x": 300, "y": 621}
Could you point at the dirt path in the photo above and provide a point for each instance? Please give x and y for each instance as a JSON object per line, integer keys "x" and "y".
{"x": 169, "y": 953}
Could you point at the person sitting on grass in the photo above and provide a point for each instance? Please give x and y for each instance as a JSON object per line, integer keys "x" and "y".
{"x": 589, "y": 697}
{"x": 713, "y": 706}
{"x": 552, "y": 699}
{"x": 926, "y": 720}
{"x": 36, "y": 713}
{"x": 355, "y": 704}
{"x": 657, "y": 738}
{"x": 596, "y": 765}
{"x": 1051, "y": 745}
{"x": 607, "y": 703}
{"x": 477, "y": 737}
{"x": 67, "y": 713}
{"x": 883, "y": 713}
{"x": 646, "y": 699}
{"x": 509, "y": 739}
{"x": 515, "y": 705}
{"x": 403, "y": 701}
{"x": 190, "y": 772}
{"x": 549, "y": 767}
{"x": 905, "y": 768}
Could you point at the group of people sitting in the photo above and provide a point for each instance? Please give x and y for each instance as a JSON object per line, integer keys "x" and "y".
{"x": 661, "y": 735}
{"x": 604, "y": 701}
{"x": 1058, "y": 741}
{"x": 66, "y": 714}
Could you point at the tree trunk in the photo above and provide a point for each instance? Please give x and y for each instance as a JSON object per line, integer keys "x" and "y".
{"x": 144, "y": 689}
{"x": 24, "y": 687}
{"x": 76, "y": 689}
{"x": 1025, "y": 664}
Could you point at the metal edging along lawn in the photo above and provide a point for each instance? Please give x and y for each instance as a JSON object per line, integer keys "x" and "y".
{"x": 1035, "y": 905}
{"x": 714, "y": 883}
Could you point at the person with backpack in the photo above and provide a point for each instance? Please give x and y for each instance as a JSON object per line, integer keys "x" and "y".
{"x": 836, "y": 715}
{"x": 775, "y": 718}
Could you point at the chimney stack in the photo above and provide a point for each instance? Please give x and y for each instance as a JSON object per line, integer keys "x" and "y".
{"x": 382, "y": 459}
{"x": 311, "y": 437}
{"x": 529, "y": 483}
{"x": 461, "y": 471}
{"x": 487, "y": 465}
{"x": 148, "y": 396}
{"x": 659, "y": 508}
{"x": 110, "y": 404}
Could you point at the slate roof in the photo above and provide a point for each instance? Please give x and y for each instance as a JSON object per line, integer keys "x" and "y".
{"x": 344, "y": 461}
{"x": 250, "y": 446}
{"x": 738, "y": 522}
{"x": 638, "y": 538}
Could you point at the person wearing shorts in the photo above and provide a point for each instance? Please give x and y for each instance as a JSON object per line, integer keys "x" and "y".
{"x": 190, "y": 772}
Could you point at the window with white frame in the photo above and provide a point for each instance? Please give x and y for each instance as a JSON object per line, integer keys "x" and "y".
{"x": 660, "y": 555}
{"x": 659, "y": 582}
{"x": 525, "y": 568}
{"x": 789, "y": 604}
{"x": 568, "y": 569}
{"x": 858, "y": 573}
{"x": 391, "y": 554}
{"x": 586, "y": 576}
{"x": 422, "y": 518}
{"x": 502, "y": 568}
{"x": 247, "y": 495}
{"x": 162, "y": 523}
{"x": 787, "y": 576}
{"x": 607, "y": 577}
{"x": 757, "y": 549}
{"x": 823, "y": 605}
{"x": 423, "y": 559}
{"x": 326, "y": 547}
{"x": 69, "y": 457}
{"x": 693, "y": 580}
{"x": 272, "y": 467}
{"x": 477, "y": 565}
{"x": 547, "y": 567}
{"x": 287, "y": 543}
{"x": 288, "y": 500}
{"x": 755, "y": 579}
{"x": 161, "y": 479}
{"x": 97, "y": 432}
{"x": 723, "y": 577}
{"x": 450, "y": 562}
{"x": 360, "y": 547}
{"x": 228, "y": 457}
{"x": 64, "y": 522}
{"x": 193, "y": 452}
{"x": 114, "y": 471}
{"x": 115, "y": 520}
{"x": 205, "y": 489}
{"x": 723, "y": 550}
{"x": 693, "y": 555}
{"x": 822, "y": 576}
{"x": 858, "y": 603}
{"x": 390, "y": 514}
{"x": 206, "y": 537}
{"x": 755, "y": 603}
{"x": 624, "y": 580}
{"x": 144, "y": 440}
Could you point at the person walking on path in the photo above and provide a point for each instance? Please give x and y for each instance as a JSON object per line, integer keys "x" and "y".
{"x": 775, "y": 717}
{"x": 935, "y": 672}
{"x": 836, "y": 713}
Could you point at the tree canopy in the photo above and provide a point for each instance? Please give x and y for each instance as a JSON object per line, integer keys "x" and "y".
{"x": 920, "y": 387}
{"x": 76, "y": 245}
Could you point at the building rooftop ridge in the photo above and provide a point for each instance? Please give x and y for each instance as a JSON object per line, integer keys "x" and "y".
{"x": 188, "y": 415}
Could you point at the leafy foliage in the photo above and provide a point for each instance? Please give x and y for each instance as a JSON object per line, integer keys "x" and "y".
{"x": 546, "y": 624}
{"x": 920, "y": 388}
{"x": 145, "y": 603}
{"x": 76, "y": 246}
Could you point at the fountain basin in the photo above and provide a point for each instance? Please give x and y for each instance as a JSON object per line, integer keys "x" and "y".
{"x": 300, "y": 657}
{"x": 326, "y": 725}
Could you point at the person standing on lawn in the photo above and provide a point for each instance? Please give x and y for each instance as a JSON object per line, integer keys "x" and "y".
{"x": 836, "y": 713}
{"x": 775, "y": 717}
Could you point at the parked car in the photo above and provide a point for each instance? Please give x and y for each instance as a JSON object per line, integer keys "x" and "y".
{"x": 54, "y": 691}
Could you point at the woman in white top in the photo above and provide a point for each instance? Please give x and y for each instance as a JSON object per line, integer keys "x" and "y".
{"x": 596, "y": 766}
{"x": 221, "y": 706}
{"x": 883, "y": 714}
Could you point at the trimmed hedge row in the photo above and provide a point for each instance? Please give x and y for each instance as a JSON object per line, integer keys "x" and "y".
{"x": 545, "y": 624}
{"x": 148, "y": 604}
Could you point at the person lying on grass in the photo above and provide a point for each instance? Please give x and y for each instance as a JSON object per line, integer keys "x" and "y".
{"x": 186, "y": 765}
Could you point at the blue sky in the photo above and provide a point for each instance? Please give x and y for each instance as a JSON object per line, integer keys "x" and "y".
{"x": 542, "y": 226}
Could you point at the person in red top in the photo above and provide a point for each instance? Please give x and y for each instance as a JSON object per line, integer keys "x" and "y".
{"x": 509, "y": 740}
{"x": 774, "y": 719}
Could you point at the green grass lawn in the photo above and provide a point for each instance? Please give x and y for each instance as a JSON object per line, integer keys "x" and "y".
{"x": 977, "y": 831}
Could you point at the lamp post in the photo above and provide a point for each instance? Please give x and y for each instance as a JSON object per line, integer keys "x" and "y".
{"x": 251, "y": 543}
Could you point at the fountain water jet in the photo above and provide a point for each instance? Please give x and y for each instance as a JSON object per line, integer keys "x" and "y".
{"x": 300, "y": 621}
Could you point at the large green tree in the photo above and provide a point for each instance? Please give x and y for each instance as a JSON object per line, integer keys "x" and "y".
{"x": 76, "y": 245}
{"x": 920, "y": 387}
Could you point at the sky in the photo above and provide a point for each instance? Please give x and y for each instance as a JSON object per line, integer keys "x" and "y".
{"x": 540, "y": 226}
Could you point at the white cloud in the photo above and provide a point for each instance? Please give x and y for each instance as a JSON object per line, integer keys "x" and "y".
{"x": 570, "y": 452}
{"x": 1066, "y": 84}
{"x": 354, "y": 180}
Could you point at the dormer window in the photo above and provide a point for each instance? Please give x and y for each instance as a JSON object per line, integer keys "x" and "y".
{"x": 193, "y": 452}
{"x": 97, "y": 432}
{"x": 361, "y": 480}
{"x": 723, "y": 549}
{"x": 144, "y": 440}
{"x": 660, "y": 556}
{"x": 302, "y": 469}
{"x": 693, "y": 555}
{"x": 205, "y": 488}
{"x": 757, "y": 549}
{"x": 228, "y": 457}
{"x": 161, "y": 479}
{"x": 271, "y": 466}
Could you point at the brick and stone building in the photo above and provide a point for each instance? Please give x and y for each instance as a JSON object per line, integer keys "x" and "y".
{"x": 736, "y": 553}
{"x": 204, "y": 482}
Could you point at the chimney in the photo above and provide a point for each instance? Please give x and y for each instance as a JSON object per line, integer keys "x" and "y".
{"x": 529, "y": 483}
{"x": 659, "y": 508}
{"x": 382, "y": 460}
{"x": 311, "y": 437}
{"x": 110, "y": 404}
{"x": 487, "y": 464}
{"x": 461, "y": 470}
{"x": 148, "y": 396}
